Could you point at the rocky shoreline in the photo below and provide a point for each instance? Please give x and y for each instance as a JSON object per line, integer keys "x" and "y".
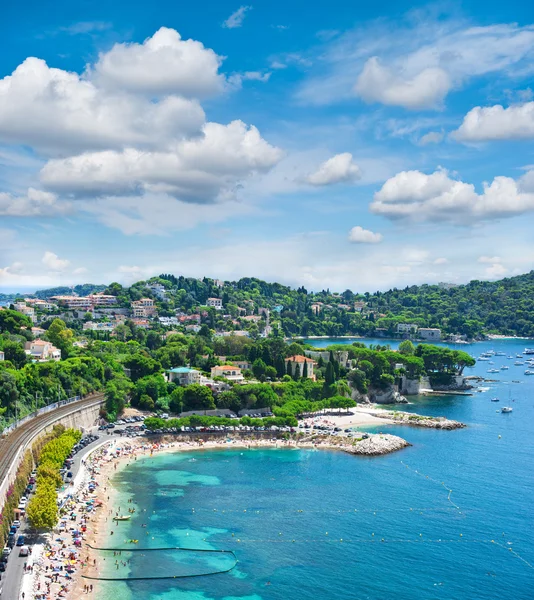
{"x": 415, "y": 420}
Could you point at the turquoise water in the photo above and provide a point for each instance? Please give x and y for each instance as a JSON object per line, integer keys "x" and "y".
{"x": 310, "y": 524}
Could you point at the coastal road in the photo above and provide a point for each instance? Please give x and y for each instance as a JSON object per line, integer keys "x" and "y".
{"x": 10, "y": 586}
{"x": 10, "y": 446}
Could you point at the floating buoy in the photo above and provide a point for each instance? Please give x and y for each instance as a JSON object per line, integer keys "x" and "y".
{"x": 500, "y": 437}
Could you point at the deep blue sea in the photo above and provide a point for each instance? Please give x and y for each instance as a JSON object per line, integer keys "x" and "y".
{"x": 451, "y": 517}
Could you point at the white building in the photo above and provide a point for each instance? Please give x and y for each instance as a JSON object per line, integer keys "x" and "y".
{"x": 429, "y": 333}
{"x": 102, "y": 299}
{"x": 230, "y": 372}
{"x": 406, "y": 328}
{"x": 215, "y": 302}
{"x": 77, "y": 302}
{"x": 92, "y": 326}
{"x": 41, "y": 350}
{"x": 300, "y": 361}
{"x": 183, "y": 376}
{"x": 143, "y": 308}
{"x": 159, "y": 290}
{"x": 2, "y": 355}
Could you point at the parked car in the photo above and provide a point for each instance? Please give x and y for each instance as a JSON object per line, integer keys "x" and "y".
{"x": 21, "y": 540}
{"x": 24, "y": 551}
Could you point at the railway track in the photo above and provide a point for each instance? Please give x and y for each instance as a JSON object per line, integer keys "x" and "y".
{"x": 18, "y": 438}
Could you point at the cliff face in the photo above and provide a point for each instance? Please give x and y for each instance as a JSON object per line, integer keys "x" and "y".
{"x": 388, "y": 395}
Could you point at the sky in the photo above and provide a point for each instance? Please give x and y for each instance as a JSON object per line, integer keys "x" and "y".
{"x": 326, "y": 144}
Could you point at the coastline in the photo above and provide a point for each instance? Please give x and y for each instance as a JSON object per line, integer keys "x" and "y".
{"x": 111, "y": 458}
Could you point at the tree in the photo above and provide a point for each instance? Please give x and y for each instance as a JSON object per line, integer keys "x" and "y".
{"x": 289, "y": 370}
{"x": 176, "y": 400}
{"x": 12, "y": 321}
{"x": 406, "y": 347}
{"x": 60, "y": 336}
{"x": 141, "y": 365}
{"x": 330, "y": 376}
{"x": 305, "y": 370}
{"x": 198, "y": 397}
{"x": 296, "y": 376}
{"x": 271, "y": 373}
{"x": 258, "y": 368}
{"x": 15, "y": 353}
{"x": 228, "y": 399}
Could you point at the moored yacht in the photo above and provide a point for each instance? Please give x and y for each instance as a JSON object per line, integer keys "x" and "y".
{"x": 506, "y": 409}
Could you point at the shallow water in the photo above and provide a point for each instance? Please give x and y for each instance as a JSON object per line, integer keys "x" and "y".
{"x": 307, "y": 524}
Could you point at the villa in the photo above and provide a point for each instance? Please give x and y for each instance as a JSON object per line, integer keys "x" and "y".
{"x": 41, "y": 350}
{"x": 230, "y": 372}
{"x": 304, "y": 364}
{"x": 183, "y": 376}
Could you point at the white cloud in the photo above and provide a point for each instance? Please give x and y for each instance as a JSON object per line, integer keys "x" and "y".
{"x": 482, "y": 124}
{"x": 339, "y": 169}
{"x": 236, "y": 18}
{"x": 163, "y": 64}
{"x": 441, "y": 261}
{"x": 58, "y": 112}
{"x": 432, "y": 137}
{"x": 34, "y": 203}
{"x": 489, "y": 259}
{"x": 436, "y": 197}
{"x": 414, "y": 64}
{"x": 359, "y": 235}
{"x": 86, "y": 27}
{"x": 496, "y": 271}
{"x": 425, "y": 89}
{"x": 80, "y": 271}
{"x": 53, "y": 263}
{"x": 201, "y": 169}
{"x": 237, "y": 78}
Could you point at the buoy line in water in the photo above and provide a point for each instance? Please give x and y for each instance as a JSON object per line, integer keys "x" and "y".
{"x": 263, "y": 512}
{"x": 172, "y": 548}
{"x": 441, "y": 483}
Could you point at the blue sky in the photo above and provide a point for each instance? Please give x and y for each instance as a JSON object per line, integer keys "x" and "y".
{"x": 328, "y": 144}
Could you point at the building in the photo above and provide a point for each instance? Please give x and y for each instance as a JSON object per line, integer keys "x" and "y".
{"x": 316, "y": 307}
{"x": 158, "y": 290}
{"x": 300, "y": 361}
{"x": 183, "y": 376}
{"x": 102, "y": 299}
{"x": 92, "y": 326}
{"x": 194, "y": 328}
{"x": 41, "y": 350}
{"x": 359, "y": 306}
{"x": 76, "y": 302}
{"x": 215, "y": 303}
{"x": 40, "y": 304}
{"x": 244, "y": 365}
{"x": 2, "y": 356}
{"x": 344, "y": 306}
{"x": 252, "y": 318}
{"x": 429, "y": 333}
{"x": 28, "y": 311}
{"x": 406, "y": 328}
{"x": 38, "y": 331}
{"x": 230, "y": 372}
{"x": 143, "y": 308}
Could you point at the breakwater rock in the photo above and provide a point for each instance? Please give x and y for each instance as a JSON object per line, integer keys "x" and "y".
{"x": 376, "y": 445}
{"x": 404, "y": 418}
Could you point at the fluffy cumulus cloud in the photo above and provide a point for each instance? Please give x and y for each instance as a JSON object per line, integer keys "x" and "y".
{"x": 359, "y": 235}
{"x": 35, "y": 203}
{"x": 53, "y": 263}
{"x": 236, "y": 18}
{"x": 57, "y": 112}
{"x": 438, "y": 197}
{"x": 425, "y": 89}
{"x": 162, "y": 64}
{"x": 341, "y": 168}
{"x": 432, "y": 137}
{"x": 489, "y": 259}
{"x": 130, "y": 124}
{"x": 200, "y": 169}
{"x": 483, "y": 124}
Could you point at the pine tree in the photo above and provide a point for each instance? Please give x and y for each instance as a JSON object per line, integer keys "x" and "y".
{"x": 288, "y": 368}
{"x": 330, "y": 376}
{"x": 305, "y": 370}
{"x": 297, "y": 372}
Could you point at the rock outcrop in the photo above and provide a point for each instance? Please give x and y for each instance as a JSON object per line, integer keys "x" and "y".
{"x": 376, "y": 445}
{"x": 379, "y": 396}
{"x": 404, "y": 418}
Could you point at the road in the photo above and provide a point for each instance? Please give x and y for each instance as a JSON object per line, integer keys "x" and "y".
{"x": 12, "y": 577}
{"x": 9, "y": 448}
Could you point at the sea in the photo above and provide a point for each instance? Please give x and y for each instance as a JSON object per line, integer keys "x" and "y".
{"x": 451, "y": 517}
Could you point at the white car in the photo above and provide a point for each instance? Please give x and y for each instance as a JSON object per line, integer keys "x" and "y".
{"x": 6, "y": 551}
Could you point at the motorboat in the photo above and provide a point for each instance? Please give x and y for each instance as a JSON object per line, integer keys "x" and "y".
{"x": 529, "y": 372}
{"x": 505, "y": 368}
{"x": 497, "y": 371}
{"x": 510, "y": 357}
{"x": 519, "y": 363}
{"x": 506, "y": 409}
{"x": 528, "y": 351}
{"x": 122, "y": 518}
{"x": 483, "y": 358}
{"x": 500, "y": 353}
{"x": 495, "y": 400}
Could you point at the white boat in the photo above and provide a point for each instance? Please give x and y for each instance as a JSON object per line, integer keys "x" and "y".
{"x": 495, "y": 400}
{"x": 500, "y": 353}
{"x": 519, "y": 356}
{"x": 497, "y": 371}
{"x": 529, "y": 372}
{"x": 510, "y": 357}
{"x": 482, "y": 358}
{"x": 504, "y": 368}
{"x": 528, "y": 351}
{"x": 519, "y": 363}
{"x": 506, "y": 409}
